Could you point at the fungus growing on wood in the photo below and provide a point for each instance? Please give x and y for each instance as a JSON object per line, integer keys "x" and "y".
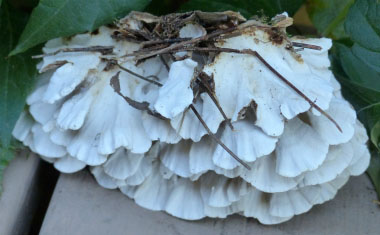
{"x": 228, "y": 114}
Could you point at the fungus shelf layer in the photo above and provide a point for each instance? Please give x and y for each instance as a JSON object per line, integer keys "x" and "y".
{"x": 198, "y": 114}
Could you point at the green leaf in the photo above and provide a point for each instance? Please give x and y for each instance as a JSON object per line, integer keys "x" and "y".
{"x": 365, "y": 100}
{"x": 328, "y": 16}
{"x": 246, "y": 7}
{"x": 6, "y": 156}
{"x": 374, "y": 171}
{"x": 367, "y": 103}
{"x": 60, "y": 18}
{"x": 361, "y": 65}
{"x": 375, "y": 134}
{"x": 25, "y": 5}
{"x": 361, "y": 62}
{"x": 357, "y": 67}
{"x": 16, "y": 78}
{"x": 363, "y": 24}
{"x": 371, "y": 118}
{"x": 16, "y": 72}
{"x": 163, "y": 7}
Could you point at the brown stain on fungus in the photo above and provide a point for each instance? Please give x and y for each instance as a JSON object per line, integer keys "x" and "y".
{"x": 249, "y": 112}
{"x": 275, "y": 36}
{"x": 66, "y": 40}
{"x": 55, "y": 65}
{"x": 304, "y": 117}
{"x": 297, "y": 57}
{"x": 221, "y": 42}
{"x": 250, "y": 31}
{"x": 214, "y": 61}
{"x": 95, "y": 32}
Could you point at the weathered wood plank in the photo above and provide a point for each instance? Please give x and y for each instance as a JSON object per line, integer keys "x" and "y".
{"x": 16, "y": 202}
{"x": 80, "y": 206}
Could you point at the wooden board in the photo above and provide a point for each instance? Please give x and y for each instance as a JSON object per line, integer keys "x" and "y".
{"x": 80, "y": 206}
{"x": 17, "y": 201}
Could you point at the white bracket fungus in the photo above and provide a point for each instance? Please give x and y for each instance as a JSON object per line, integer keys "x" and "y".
{"x": 235, "y": 117}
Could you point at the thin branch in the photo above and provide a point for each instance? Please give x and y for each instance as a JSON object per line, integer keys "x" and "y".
{"x": 181, "y": 44}
{"x": 203, "y": 78}
{"x": 218, "y": 140}
{"x": 144, "y": 50}
{"x": 134, "y": 32}
{"x": 299, "y": 92}
{"x": 55, "y": 65}
{"x": 102, "y": 49}
{"x": 139, "y": 76}
{"x": 164, "y": 62}
{"x": 286, "y": 81}
{"x": 143, "y": 106}
{"x": 164, "y": 41}
{"x": 305, "y": 45}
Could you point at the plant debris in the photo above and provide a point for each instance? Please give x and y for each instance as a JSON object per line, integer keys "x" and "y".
{"x": 229, "y": 114}
{"x": 159, "y": 36}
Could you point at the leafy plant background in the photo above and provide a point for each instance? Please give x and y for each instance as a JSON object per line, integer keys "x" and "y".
{"x": 353, "y": 25}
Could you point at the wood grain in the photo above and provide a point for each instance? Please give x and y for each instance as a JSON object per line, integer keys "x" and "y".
{"x": 80, "y": 206}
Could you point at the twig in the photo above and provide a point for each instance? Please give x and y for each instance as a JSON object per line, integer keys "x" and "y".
{"x": 102, "y": 49}
{"x": 209, "y": 131}
{"x": 55, "y": 65}
{"x": 149, "y": 49}
{"x": 164, "y": 62}
{"x": 181, "y": 44}
{"x": 134, "y": 32}
{"x": 139, "y": 76}
{"x": 305, "y": 45}
{"x": 164, "y": 41}
{"x": 287, "y": 82}
{"x": 312, "y": 104}
{"x": 143, "y": 106}
{"x": 203, "y": 78}
{"x": 218, "y": 140}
